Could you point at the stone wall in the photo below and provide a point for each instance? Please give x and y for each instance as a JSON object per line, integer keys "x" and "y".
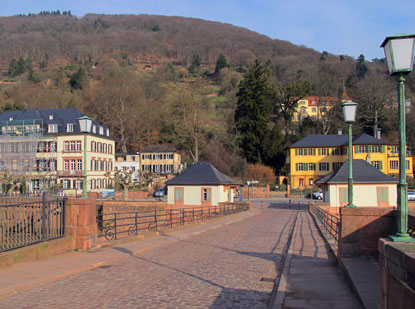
{"x": 397, "y": 274}
{"x": 255, "y": 192}
{"x": 362, "y": 227}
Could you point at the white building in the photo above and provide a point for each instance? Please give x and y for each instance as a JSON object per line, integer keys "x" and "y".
{"x": 125, "y": 162}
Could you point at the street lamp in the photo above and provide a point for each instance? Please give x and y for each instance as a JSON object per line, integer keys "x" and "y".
{"x": 399, "y": 52}
{"x": 349, "y": 113}
{"x": 85, "y": 124}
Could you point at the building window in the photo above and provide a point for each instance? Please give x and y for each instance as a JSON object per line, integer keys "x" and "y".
{"x": 178, "y": 194}
{"x": 108, "y": 132}
{"x": 69, "y": 127}
{"x": 300, "y": 167}
{"x": 66, "y": 146}
{"x": 376, "y": 148}
{"x": 52, "y": 146}
{"x": 311, "y": 166}
{"x": 66, "y": 165}
{"x": 50, "y": 117}
{"x": 324, "y": 166}
{"x": 377, "y": 164}
{"x": 363, "y": 149}
{"x": 79, "y": 184}
{"x": 324, "y": 151}
{"x": 110, "y": 149}
{"x": 98, "y": 147}
{"x": 301, "y": 182}
{"x": 394, "y": 165}
{"x": 66, "y": 184}
{"x": 93, "y": 184}
{"x": 206, "y": 195}
{"x": 314, "y": 110}
{"x": 93, "y": 146}
{"x": 407, "y": 164}
{"x": 336, "y": 165}
{"x": 79, "y": 165}
{"x": 72, "y": 144}
{"x": 53, "y": 128}
{"x": 101, "y": 130}
{"x": 73, "y": 165}
{"x": 300, "y": 151}
{"x": 94, "y": 128}
{"x": 78, "y": 146}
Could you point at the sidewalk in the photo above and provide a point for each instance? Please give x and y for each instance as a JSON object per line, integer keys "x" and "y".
{"x": 24, "y": 276}
{"x": 362, "y": 273}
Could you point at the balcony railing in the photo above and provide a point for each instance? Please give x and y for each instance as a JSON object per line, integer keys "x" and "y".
{"x": 72, "y": 173}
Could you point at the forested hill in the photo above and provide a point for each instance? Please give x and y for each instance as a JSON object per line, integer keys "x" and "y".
{"x": 139, "y": 37}
{"x": 159, "y": 79}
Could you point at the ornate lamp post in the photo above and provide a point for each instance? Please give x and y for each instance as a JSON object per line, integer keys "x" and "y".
{"x": 399, "y": 52}
{"x": 349, "y": 113}
{"x": 85, "y": 124}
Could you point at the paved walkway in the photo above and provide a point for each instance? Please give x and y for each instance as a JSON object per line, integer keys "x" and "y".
{"x": 228, "y": 263}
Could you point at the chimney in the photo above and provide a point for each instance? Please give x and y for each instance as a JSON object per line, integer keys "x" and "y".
{"x": 339, "y": 131}
{"x": 378, "y": 134}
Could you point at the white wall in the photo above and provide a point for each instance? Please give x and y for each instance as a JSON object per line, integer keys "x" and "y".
{"x": 193, "y": 195}
{"x": 364, "y": 195}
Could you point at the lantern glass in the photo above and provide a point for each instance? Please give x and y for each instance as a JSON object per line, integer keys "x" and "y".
{"x": 349, "y": 111}
{"x": 399, "y": 52}
{"x": 85, "y": 124}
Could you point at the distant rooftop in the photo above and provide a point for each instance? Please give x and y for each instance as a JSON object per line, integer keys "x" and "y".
{"x": 363, "y": 172}
{"x": 159, "y": 148}
{"x": 202, "y": 173}
{"x": 59, "y": 116}
{"x": 335, "y": 140}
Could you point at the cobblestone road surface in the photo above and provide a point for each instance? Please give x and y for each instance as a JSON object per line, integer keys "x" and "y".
{"x": 220, "y": 268}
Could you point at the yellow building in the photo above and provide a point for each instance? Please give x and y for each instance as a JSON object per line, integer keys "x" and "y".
{"x": 160, "y": 160}
{"x": 47, "y": 147}
{"x": 316, "y": 155}
{"x": 313, "y": 107}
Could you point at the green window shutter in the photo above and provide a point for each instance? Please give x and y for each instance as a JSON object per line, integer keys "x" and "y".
{"x": 383, "y": 149}
{"x": 314, "y": 166}
{"x": 319, "y": 151}
{"x": 296, "y": 152}
{"x": 306, "y": 166}
{"x": 305, "y": 151}
{"x": 383, "y": 194}
{"x": 370, "y": 148}
{"x": 343, "y": 194}
{"x": 356, "y": 149}
{"x": 296, "y": 166}
{"x": 381, "y": 165}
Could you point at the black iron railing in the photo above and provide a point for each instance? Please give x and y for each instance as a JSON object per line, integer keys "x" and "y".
{"x": 329, "y": 221}
{"x": 113, "y": 226}
{"x": 26, "y": 220}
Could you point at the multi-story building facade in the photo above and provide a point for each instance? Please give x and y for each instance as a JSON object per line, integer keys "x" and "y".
{"x": 317, "y": 155}
{"x": 59, "y": 150}
{"x": 313, "y": 107}
{"x": 126, "y": 162}
{"x": 160, "y": 160}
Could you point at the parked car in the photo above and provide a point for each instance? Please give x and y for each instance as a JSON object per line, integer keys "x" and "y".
{"x": 318, "y": 195}
{"x": 159, "y": 193}
{"x": 411, "y": 195}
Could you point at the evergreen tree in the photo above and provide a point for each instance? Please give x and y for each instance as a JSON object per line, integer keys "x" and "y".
{"x": 361, "y": 67}
{"x": 221, "y": 63}
{"x": 79, "y": 79}
{"x": 259, "y": 139}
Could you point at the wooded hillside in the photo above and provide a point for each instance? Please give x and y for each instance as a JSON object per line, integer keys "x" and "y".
{"x": 158, "y": 79}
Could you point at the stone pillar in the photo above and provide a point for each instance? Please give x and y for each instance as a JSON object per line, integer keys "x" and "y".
{"x": 397, "y": 274}
{"x": 361, "y": 228}
{"x": 80, "y": 223}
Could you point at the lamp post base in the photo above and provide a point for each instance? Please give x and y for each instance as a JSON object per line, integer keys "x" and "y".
{"x": 350, "y": 206}
{"x": 399, "y": 237}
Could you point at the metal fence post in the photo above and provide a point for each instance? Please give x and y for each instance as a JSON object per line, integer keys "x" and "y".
{"x": 43, "y": 210}
{"x": 155, "y": 219}
{"x": 193, "y": 214}
{"x": 171, "y": 219}
{"x": 115, "y": 226}
{"x": 136, "y": 223}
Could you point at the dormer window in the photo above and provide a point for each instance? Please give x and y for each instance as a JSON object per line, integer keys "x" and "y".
{"x": 53, "y": 128}
{"x": 69, "y": 127}
{"x": 101, "y": 130}
{"x": 11, "y": 119}
{"x": 108, "y": 132}
{"x": 94, "y": 128}
{"x": 50, "y": 117}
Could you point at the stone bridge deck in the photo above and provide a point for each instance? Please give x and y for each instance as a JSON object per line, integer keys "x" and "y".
{"x": 232, "y": 262}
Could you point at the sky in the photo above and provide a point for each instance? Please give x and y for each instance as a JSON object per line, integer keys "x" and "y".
{"x": 347, "y": 27}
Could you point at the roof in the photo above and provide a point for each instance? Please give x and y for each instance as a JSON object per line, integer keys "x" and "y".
{"x": 202, "y": 173}
{"x": 363, "y": 172}
{"x": 159, "y": 148}
{"x": 336, "y": 140}
{"x": 60, "y": 116}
